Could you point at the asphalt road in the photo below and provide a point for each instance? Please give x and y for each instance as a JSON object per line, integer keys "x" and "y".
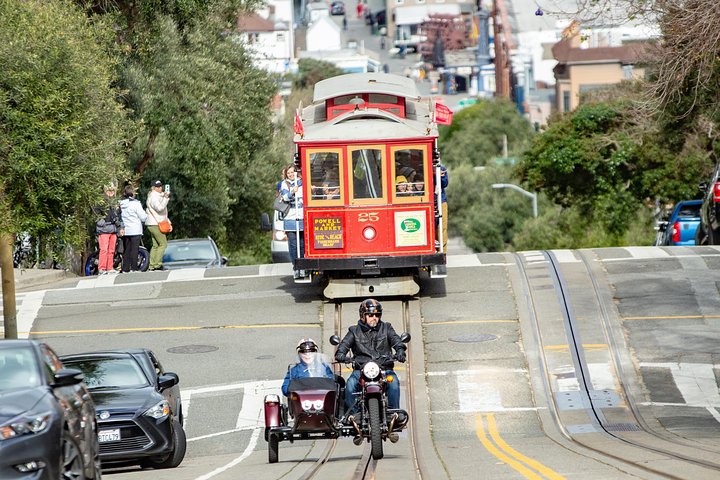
{"x": 230, "y": 335}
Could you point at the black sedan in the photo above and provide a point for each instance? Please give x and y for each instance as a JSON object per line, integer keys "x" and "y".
{"x": 47, "y": 418}
{"x": 192, "y": 253}
{"x": 138, "y": 406}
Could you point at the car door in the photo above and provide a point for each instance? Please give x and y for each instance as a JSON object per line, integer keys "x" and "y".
{"x": 78, "y": 408}
{"x": 172, "y": 394}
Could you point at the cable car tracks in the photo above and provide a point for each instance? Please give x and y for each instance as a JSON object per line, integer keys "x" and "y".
{"x": 338, "y": 453}
{"x": 586, "y": 380}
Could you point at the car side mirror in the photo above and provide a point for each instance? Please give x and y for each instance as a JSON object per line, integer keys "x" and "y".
{"x": 265, "y": 225}
{"x": 335, "y": 340}
{"x": 224, "y": 260}
{"x": 662, "y": 226}
{"x": 703, "y": 187}
{"x": 168, "y": 380}
{"x": 66, "y": 377}
{"x": 405, "y": 337}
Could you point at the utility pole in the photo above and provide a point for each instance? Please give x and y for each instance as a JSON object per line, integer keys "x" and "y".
{"x": 8, "y": 285}
{"x": 502, "y": 62}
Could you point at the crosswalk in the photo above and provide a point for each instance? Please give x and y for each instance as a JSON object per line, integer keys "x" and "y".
{"x": 27, "y": 307}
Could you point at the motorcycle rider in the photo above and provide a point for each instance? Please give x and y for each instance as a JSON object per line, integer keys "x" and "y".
{"x": 309, "y": 364}
{"x": 371, "y": 339}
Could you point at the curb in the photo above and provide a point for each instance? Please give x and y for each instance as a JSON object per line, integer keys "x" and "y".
{"x": 34, "y": 277}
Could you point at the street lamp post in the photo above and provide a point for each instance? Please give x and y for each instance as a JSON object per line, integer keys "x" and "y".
{"x": 533, "y": 196}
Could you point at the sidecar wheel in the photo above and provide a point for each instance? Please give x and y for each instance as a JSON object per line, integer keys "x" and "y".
{"x": 273, "y": 448}
{"x": 375, "y": 429}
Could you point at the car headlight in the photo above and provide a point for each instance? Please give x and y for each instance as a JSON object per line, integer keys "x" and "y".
{"x": 25, "y": 426}
{"x": 371, "y": 370}
{"x": 158, "y": 411}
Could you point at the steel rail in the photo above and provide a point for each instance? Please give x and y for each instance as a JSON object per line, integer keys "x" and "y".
{"x": 581, "y": 368}
{"x": 617, "y": 363}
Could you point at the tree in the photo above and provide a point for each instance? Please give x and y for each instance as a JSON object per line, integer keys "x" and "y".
{"x": 62, "y": 134}
{"x": 311, "y": 71}
{"x": 476, "y": 134}
{"x": 206, "y": 108}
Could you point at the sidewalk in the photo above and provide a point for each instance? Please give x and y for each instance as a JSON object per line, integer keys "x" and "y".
{"x": 34, "y": 277}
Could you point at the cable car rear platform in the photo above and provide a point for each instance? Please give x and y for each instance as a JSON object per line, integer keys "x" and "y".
{"x": 377, "y": 276}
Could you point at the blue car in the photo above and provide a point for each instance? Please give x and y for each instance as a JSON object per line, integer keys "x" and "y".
{"x": 683, "y": 223}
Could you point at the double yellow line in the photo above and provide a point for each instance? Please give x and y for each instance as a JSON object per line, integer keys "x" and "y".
{"x": 527, "y": 467}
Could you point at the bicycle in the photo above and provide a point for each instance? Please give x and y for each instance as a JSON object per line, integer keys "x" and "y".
{"x": 143, "y": 261}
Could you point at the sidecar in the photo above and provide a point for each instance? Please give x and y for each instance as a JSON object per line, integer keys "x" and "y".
{"x": 313, "y": 408}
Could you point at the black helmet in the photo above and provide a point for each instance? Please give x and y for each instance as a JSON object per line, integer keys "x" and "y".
{"x": 306, "y": 345}
{"x": 370, "y": 306}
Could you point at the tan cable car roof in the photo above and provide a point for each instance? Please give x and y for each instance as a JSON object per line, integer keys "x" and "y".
{"x": 383, "y": 83}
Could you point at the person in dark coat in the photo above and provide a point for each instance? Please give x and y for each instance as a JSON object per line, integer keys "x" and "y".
{"x": 371, "y": 339}
{"x": 108, "y": 225}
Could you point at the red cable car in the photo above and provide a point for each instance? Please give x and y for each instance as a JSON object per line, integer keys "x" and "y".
{"x": 367, "y": 152}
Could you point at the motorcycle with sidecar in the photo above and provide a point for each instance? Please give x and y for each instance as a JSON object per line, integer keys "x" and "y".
{"x": 315, "y": 409}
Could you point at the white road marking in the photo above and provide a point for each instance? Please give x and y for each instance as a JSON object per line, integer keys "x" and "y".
{"x": 32, "y": 301}
{"x": 647, "y": 252}
{"x": 97, "y": 281}
{"x": 184, "y": 274}
{"x": 253, "y": 391}
{"x": 463, "y": 261}
{"x": 695, "y": 381}
{"x": 471, "y": 372}
{"x": 248, "y": 450}
{"x": 565, "y": 256}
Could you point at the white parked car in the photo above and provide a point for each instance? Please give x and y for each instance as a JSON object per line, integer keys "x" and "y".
{"x": 279, "y": 242}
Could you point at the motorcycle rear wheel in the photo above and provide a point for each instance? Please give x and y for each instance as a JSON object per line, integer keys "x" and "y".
{"x": 375, "y": 429}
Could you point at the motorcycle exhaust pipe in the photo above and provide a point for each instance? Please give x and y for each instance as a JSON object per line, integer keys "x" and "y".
{"x": 357, "y": 427}
{"x": 393, "y": 436}
{"x": 392, "y": 422}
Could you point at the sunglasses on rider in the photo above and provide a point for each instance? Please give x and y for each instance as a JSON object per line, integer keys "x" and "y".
{"x": 308, "y": 350}
{"x": 374, "y": 314}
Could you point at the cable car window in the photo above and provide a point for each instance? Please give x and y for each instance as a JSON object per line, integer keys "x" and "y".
{"x": 381, "y": 98}
{"x": 409, "y": 173}
{"x": 367, "y": 170}
{"x": 325, "y": 177}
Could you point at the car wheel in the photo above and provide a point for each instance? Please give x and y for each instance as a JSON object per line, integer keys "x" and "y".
{"x": 712, "y": 237}
{"x": 175, "y": 458}
{"x": 71, "y": 466}
{"x": 273, "y": 448}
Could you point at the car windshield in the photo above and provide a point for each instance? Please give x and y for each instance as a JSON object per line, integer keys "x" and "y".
{"x": 184, "y": 251}
{"x": 18, "y": 369}
{"x": 110, "y": 372}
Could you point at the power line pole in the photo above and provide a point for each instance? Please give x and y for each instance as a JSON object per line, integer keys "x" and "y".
{"x": 502, "y": 60}
{"x": 8, "y": 285}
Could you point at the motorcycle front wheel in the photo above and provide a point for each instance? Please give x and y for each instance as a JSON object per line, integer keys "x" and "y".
{"x": 375, "y": 429}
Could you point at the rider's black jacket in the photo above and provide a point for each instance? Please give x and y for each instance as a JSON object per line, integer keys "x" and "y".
{"x": 370, "y": 344}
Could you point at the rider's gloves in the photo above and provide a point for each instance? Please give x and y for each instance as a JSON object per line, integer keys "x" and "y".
{"x": 400, "y": 356}
{"x": 348, "y": 358}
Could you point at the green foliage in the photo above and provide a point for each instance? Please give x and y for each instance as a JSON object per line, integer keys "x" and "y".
{"x": 311, "y": 71}
{"x": 62, "y": 134}
{"x": 476, "y": 134}
{"x": 205, "y": 108}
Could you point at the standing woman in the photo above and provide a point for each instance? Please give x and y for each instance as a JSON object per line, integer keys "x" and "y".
{"x": 133, "y": 217}
{"x": 156, "y": 204}
{"x": 106, "y": 228}
{"x": 291, "y": 191}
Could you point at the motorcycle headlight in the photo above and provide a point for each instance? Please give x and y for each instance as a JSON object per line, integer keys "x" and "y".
{"x": 371, "y": 370}
{"x": 25, "y": 426}
{"x": 158, "y": 411}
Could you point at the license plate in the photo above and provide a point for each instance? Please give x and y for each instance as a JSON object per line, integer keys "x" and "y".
{"x": 109, "y": 435}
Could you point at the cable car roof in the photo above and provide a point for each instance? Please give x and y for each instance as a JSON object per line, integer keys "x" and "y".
{"x": 351, "y": 83}
{"x": 367, "y": 125}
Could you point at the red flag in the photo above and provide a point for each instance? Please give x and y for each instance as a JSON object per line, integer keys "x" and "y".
{"x": 298, "y": 126}
{"x": 443, "y": 115}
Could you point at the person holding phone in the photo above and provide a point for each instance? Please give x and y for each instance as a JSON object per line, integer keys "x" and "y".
{"x": 291, "y": 192}
{"x": 156, "y": 206}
